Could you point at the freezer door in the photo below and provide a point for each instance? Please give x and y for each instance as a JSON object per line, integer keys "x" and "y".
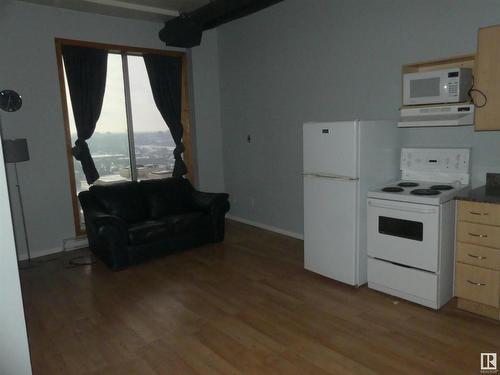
{"x": 331, "y": 148}
{"x": 330, "y": 226}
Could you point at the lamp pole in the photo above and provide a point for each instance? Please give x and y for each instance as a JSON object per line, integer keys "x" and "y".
{"x": 17, "y": 150}
{"x": 21, "y": 205}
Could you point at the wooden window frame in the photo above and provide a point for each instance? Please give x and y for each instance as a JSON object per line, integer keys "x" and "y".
{"x": 122, "y": 50}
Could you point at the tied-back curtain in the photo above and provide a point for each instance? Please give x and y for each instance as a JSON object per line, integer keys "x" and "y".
{"x": 165, "y": 77}
{"x": 86, "y": 75}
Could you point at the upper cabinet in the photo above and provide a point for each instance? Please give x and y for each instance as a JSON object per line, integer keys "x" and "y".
{"x": 486, "y": 92}
{"x": 484, "y": 109}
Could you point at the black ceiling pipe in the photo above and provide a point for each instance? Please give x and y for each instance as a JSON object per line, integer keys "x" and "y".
{"x": 185, "y": 31}
{"x": 181, "y": 32}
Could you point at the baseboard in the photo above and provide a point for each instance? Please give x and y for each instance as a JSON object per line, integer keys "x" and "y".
{"x": 75, "y": 243}
{"x": 42, "y": 253}
{"x": 266, "y": 227}
{"x": 69, "y": 244}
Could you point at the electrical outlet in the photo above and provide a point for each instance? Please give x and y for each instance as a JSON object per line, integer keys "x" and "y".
{"x": 252, "y": 202}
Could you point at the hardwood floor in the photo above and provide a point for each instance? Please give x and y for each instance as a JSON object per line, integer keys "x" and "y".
{"x": 245, "y": 306}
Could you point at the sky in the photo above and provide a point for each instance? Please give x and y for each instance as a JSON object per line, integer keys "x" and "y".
{"x": 113, "y": 119}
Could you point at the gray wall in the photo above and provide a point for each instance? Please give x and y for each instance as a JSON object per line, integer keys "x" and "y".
{"x": 28, "y": 65}
{"x": 14, "y": 353}
{"x": 206, "y": 115}
{"x": 330, "y": 60}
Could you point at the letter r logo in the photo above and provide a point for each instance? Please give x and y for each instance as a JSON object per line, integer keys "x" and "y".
{"x": 488, "y": 361}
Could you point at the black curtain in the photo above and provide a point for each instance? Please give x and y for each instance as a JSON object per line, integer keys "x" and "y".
{"x": 165, "y": 77}
{"x": 86, "y": 74}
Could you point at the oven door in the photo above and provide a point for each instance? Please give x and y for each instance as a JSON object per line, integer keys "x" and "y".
{"x": 404, "y": 233}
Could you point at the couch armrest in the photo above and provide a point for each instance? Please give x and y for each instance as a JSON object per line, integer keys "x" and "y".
{"x": 101, "y": 219}
{"x": 216, "y": 205}
{"x": 209, "y": 202}
{"x": 113, "y": 233}
{"x": 112, "y": 237}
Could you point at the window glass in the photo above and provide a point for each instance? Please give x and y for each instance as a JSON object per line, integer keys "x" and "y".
{"x": 153, "y": 142}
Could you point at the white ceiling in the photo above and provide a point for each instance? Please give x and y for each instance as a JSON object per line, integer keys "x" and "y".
{"x": 154, "y": 10}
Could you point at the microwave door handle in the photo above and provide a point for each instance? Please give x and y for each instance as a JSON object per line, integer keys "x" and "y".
{"x": 402, "y": 208}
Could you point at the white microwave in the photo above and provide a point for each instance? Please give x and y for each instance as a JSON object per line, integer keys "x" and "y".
{"x": 437, "y": 86}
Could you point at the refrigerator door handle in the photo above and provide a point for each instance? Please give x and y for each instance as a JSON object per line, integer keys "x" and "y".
{"x": 331, "y": 176}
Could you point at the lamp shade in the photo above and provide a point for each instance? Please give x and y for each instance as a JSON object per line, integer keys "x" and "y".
{"x": 15, "y": 150}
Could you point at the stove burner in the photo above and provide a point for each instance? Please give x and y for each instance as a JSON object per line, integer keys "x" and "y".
{"x": 393, "y": 189}
{"x": 425, "y": 192}
{"x": 441, "y": 187}
{"x": 408, "y": 184}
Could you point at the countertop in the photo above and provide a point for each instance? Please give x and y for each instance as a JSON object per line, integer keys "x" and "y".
{"x": 484, "y": 194}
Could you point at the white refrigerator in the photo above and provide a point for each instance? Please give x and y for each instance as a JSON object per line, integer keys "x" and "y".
{"x": 342, "y": 161}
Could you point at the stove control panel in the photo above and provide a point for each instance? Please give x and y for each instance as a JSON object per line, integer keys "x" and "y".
{"x": 436, "y": 164}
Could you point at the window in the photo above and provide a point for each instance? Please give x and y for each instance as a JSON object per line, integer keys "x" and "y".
{"x": 131, "y": 140}
{"x": 109, "y": 145}
{"x": 153, "y": 144}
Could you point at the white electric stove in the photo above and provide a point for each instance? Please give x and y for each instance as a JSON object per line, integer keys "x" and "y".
{"x": 411, "y": 226}
{"x": 422, "y": 192}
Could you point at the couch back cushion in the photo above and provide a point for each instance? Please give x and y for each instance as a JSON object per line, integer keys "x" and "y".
{"x": 122, "y": 199}
{"x": 169, "y": 196}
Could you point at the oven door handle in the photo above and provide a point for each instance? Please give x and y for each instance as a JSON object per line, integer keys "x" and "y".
{"x": 430, "y": 210}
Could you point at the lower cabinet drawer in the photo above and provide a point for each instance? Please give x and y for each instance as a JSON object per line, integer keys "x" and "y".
{"x": 477, "y": 284}
{"x": 479, "y": 234}
{"x": 478, "y": 212}
{"x": 478, "y": 255}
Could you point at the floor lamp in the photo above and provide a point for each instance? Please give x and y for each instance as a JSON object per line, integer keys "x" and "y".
{"x": 16, "y": 151}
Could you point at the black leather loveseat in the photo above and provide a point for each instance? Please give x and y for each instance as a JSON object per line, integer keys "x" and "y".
{"x": 131, "y": 221}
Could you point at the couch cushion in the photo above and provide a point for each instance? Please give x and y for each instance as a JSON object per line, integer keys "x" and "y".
{"x": 148, "y": 231}
{"x": 188, "y": 222}
{"x": 167, "y": 196}
{"x": 123, "y": 199}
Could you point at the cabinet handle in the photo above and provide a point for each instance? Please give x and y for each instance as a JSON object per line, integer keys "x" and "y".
{"x": 476, "y": 284}
{"x": 476, "y": 256}
{"x": 478, "y": 213}
{"x": 478, "y": 235}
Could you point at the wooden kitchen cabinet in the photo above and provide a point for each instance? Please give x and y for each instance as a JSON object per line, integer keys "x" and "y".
{"x": 478, "y": 212}
{"x": 486, "y": 69}
{"x": 478, "y": 284}
{"x": 477, "y": 269}
{"x": 487, "y": 79}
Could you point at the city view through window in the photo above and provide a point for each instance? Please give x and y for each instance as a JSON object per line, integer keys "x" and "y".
{"x": 109, "y": 145}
